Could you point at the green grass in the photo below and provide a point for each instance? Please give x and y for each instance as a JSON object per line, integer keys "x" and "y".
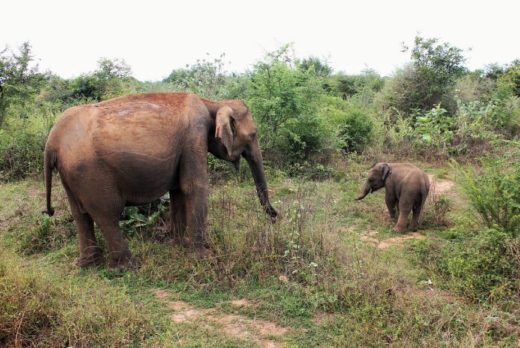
{"x": 309, "y": 273}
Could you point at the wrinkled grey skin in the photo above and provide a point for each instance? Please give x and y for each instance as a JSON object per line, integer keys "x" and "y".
{"x": 406, "y": 189}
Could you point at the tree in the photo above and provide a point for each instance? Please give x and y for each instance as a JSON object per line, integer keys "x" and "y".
{"x": 429, "y": 80}
{"x": 437, "y": 67}
{"x": 19, "y": 77}
{"x": 112, "y": 78}
{"x": 320, "y": 68}
{"x": 207, "y": 77}
{"x": 284, "y": 100}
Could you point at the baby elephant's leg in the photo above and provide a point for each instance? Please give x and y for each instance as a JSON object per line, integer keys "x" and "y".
{"x": 404, "y": 210}
{"x": 417, "y": 208}
{"x": 391, "y": 205}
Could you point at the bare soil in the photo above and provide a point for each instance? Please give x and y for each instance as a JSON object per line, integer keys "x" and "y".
{"x": 439, "y": 186}
{"x": 261, "y": 332}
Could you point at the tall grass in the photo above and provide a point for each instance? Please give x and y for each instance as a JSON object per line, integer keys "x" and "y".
{"x": 41, "y": 308}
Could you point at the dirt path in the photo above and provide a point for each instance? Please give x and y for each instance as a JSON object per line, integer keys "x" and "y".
{"x": 263, "y": 333}
{"x": 439, "y": 186}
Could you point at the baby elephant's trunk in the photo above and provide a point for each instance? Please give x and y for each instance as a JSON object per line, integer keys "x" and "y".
{"x": 366, "y": 190}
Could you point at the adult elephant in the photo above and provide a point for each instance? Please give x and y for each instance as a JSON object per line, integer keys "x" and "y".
{"x": 131, "y": 150}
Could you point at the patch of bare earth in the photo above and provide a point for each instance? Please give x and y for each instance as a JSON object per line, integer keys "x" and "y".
{"x": 387, "y": 243}
{"x": 261, "y": 332}
{"x": 439, "y": 186}
{"x": 243, "y": 302}
{"x": 322, "y": 318}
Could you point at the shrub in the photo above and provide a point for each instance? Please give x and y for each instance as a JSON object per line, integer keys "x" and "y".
{"x": 437, "y": 208}
{"x": 284, "y": 101}
{"x": 22, "y": 141}
{"x": 40, "y": 308}
{"x": 494, "y": 192}
{"x": 50, "y": 233}
{"x": 428, "y": 81}
{"x": 356, "y": 130}
{"x": 206, "y": 78}
{"x": 481, "y": 265}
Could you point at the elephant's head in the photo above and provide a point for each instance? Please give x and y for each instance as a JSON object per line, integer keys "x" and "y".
{"x": 235, "y": 136}
{"x": 377, "y": 176}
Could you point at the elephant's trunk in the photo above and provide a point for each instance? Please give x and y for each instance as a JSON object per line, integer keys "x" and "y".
{"x": 254, "y": 159}
{"x": 366, "y": 190}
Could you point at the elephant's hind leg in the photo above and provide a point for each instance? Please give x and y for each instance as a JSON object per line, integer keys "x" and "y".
{"x": 118, "y": 252}
{"x": 404, "y": 210}
{"x": 89, "y": 252}
{"x": 416, "y": 211}
{"x": 106, "y": 215}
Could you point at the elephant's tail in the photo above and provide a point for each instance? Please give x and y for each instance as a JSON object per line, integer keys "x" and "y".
{"x": 49, "y": 161}
{"x": 421, "y": 201}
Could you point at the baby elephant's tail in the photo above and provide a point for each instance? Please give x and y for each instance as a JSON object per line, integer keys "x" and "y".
{"x": 421, "y": 199}
{"x": 49, "y": 161}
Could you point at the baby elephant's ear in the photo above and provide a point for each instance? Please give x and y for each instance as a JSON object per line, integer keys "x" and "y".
{"x": 385, "y": 171}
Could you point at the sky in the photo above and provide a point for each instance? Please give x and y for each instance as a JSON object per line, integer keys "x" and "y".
{"x": 156, "y": 36}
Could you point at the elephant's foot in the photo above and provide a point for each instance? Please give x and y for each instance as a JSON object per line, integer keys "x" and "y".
{"x": 93, "y": 260}
{"x": 122, "y": 261}
{"x": 203, "y": 252}
{"x": 184, "y": 242}
{"x": 399, "y": 229}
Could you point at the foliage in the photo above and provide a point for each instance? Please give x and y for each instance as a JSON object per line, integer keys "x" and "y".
{"x": 435, "y": 127}
{"x": 428, "y": 80}
{"x": 40, "y": 308}
{"x": 362, "y": 87}
{"x": 481, "y": 265}
{"x": 494, "y": 192}
{"x": 509, "y": 79}
{"x": 206, "y": 77}
{"x": 284, "y": 102}
{"x": 137, "y": 218}
{"x": 356, "y": 130}
{"x": 112, "y": 78}
{"x": 319, "y": 67}
{"x": 19, "y": 78}
{"x": 22, "y": 140}
{"x": 49, "y": 234}
{"x": 474, "y": 86}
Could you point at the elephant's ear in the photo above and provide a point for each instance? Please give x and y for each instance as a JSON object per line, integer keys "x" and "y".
{"x": 385, "y": 168}
{"x": 223, "y": 127}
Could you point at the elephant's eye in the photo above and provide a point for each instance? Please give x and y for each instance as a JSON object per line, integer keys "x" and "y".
{"x": 253, "y": 135}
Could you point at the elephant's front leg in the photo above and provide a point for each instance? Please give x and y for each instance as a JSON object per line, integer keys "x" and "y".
{"x": 391, "y": 205}
{"x": 178, "y": 216}
{"x": 194, "y": 186}
{"x": 196, "y": 216}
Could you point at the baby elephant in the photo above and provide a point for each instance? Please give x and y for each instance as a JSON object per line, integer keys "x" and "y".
{"x": 406, "y": 187}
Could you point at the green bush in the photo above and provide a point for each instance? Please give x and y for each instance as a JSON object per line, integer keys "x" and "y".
{"x": 481, "y": 265}
{"x": 494, "y": 192}
{"x": 355, "y": 130}
{"x": 41, "y": 308}
{"x": 427, "y": 81}
{"x": 284, "y": 101}
{"x": 22, "y": 141}
{"x": 50, "y": 233}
